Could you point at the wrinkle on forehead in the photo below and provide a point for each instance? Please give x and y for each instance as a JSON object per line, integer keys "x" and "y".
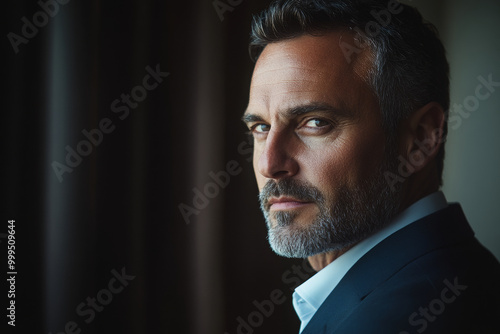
{"x": 303, "y": 66}
{"x": 303, "y": 53}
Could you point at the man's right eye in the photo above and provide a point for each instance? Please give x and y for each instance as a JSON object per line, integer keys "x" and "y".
{"x": 259, "y": 128}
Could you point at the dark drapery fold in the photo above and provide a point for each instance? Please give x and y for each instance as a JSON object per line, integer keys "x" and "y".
{"x": 118, "y": 114}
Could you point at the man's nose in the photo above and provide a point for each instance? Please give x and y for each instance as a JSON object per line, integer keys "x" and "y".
{"x": 277, "y": 158}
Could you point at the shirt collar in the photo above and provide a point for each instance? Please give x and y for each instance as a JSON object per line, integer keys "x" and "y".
{"x": 309, "y": 296}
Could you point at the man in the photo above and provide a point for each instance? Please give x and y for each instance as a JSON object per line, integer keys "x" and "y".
{"x": 348, "y": 110}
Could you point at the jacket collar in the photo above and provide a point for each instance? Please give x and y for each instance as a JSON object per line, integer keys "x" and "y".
{"x": 437, "y": 230}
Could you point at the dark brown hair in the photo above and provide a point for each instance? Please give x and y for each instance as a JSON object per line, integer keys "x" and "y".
{"x": 410, "y": 68}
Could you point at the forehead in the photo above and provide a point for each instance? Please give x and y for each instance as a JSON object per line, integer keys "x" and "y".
{"x": 307, "y": 69}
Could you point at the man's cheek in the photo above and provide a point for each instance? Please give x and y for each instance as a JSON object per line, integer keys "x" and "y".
{"x": 325, "y": 169}
{"x": 363, "y": 162}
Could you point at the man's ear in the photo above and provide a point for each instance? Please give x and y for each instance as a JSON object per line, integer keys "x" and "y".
{"x": 424, "y": 135}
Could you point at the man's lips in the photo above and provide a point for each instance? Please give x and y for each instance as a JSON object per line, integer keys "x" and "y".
{"x": 285, "y": 203}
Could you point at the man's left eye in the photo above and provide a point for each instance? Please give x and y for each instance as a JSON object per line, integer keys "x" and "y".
{"x": 316, "y": 123}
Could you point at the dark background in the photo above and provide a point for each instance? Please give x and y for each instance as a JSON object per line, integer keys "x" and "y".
{"x": 119, "y": 208}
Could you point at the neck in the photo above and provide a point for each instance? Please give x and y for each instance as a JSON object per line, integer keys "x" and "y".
{"x": 416, "y": 189}
{"x": 418, "y": 186}
{"x": 320, "y": 261}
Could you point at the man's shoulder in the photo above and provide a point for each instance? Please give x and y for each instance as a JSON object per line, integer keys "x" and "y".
{"x": 450, "y": 290}
{"x": 440, "y": 244}
{"x": 431, "y": 276}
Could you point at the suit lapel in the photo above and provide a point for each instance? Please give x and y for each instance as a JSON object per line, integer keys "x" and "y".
{"x": 440, "y": 229}
{"x": 341, "y": 301}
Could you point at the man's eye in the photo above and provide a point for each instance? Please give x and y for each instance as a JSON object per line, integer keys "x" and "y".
{"x": 260, "y": 128}
{"x": 316, "y": 123}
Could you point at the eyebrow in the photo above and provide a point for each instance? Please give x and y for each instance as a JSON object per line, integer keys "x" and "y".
{"x": 299, "y": 110}
{"x": 251, "y": 118}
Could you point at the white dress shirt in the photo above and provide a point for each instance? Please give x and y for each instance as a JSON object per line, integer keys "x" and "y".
{"x": 309, "y": 296}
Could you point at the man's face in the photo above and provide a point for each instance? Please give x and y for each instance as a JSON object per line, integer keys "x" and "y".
{"x": 319, "y": 146}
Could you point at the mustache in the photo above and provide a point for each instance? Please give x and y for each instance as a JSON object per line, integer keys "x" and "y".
{"x": 290, "y": 188}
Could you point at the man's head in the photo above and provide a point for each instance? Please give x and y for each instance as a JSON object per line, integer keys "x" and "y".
{"x": 341, "y": 90}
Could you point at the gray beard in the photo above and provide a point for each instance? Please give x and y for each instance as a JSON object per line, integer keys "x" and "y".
{"x": 355, "y": 214}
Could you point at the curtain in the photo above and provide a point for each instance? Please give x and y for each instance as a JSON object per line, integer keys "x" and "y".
{"x": 128, "y": 173}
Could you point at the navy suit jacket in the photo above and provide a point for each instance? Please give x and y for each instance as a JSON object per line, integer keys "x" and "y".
{"x": 432, "y": 276}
